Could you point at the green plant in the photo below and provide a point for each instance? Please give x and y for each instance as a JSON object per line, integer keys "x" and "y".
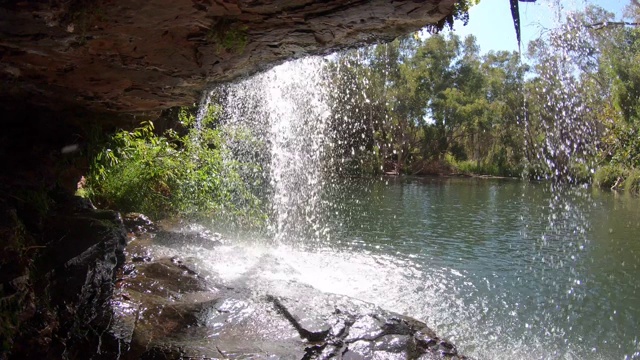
{"x": 608, "y": 176}
{"x": 235, "y": 40}
{"x": 460, "y": 12}
{"x": 632, "y": 182}
{"x": 175, "y": 175}
{"x": 474, "y": 167}
{"x": 228, "y": 36}
{"x": 618, "y": 177}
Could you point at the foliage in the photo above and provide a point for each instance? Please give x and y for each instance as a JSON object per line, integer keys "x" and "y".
{"x": 175, "y": 175}
{"x": 609, "y": 176}
{"x": 632, "y": 181}
{"x": 617, "y": 177}
{"x": 229, "y": 36}
{"x": 404, "y": 105}
{"x": 16, "y": 260}
{"x": 460, "y": 12}
{"x": 427, "y": 105}
{"x": 471, "y": 167}
{"x": 583, "y": 101}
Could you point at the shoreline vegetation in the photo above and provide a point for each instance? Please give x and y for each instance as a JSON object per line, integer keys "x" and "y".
{"x": 184, "y": 172}
{"x": 567, "y": 110}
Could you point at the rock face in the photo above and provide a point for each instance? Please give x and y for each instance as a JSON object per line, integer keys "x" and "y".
{"x": 147, "y": 55}
{"x": 60, "y": 292}
{"x": 163, "y": 309}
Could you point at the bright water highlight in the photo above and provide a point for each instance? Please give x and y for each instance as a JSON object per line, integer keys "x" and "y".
{"x": 504, "y": 269}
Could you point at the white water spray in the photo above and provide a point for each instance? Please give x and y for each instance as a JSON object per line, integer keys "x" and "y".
{"x": 286, "y": 108}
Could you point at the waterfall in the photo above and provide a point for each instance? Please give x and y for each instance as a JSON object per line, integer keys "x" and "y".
{"x": 286, "y": 111}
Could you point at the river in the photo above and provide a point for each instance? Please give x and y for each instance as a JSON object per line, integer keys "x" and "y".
{"x": 505, "y": 269}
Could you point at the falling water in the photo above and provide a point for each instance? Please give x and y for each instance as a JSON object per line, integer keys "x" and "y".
{"x": 567, "y": 58}
{"x": 203, "y": 107}
{"x": 568, "y": 122}
{"x": 288, "y": 111}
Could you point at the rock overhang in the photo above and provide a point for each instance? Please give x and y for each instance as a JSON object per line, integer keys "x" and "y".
{"x": 142, "y": 56}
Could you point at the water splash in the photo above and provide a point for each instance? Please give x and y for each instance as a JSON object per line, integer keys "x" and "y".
{"x": 286, "y": 109}
{"x": 203, "y": 108}
{"x": 566, "y": 63}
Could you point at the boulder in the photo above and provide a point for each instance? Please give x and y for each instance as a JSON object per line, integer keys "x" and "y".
{"x": 70, "y": 282}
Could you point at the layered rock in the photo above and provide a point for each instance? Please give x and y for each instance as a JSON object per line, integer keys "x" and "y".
{"x": 147, "y": 55}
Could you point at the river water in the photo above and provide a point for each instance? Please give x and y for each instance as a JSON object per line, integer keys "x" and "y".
{"x": 505, "y": 269}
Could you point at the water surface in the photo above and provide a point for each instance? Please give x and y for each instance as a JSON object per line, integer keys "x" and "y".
{"x": 503, "y": 268}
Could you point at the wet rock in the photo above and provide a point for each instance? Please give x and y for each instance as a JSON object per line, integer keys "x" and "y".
{"x": 129, "y": 269}
{"x": 167, "y": 309}
{"x": 358, "y": 330}
{"x": 309, "y": 327}
{"x": 71, "y": 280}
{"x": 141, "y": 257}
{"x": 392, "y": 343}
{"x": 177, "y": 239}
{"x": 167, "y": 278}
{"x": 138, "y": 224}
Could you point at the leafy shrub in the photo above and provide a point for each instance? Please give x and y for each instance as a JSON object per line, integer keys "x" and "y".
{"x": 608, "y": 176}
{"x": 175, "y": 175}
{"x": 618, "y": 177}
{"x": 632, "y": 181}
{"x": 579, "y": 173}
{"x": 481, "y": 167}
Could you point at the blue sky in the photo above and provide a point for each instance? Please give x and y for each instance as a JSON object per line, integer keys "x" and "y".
{"x": 491, "y": 22}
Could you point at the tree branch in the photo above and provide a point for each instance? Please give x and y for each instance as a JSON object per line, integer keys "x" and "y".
{"x": 604, "y": 24}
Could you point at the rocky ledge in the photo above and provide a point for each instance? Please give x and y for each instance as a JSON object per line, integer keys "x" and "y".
{"x": 164, "y": 309}
{"x": 102, "y": 288}
{"x": 133, "y": 56}
{"x": 57, "y": 276}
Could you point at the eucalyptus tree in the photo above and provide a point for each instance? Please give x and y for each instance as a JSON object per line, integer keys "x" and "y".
{"x": 500, "y": 134}
{"x": 620, "y": 63}
{"x": 432, "y": 63}
{"x": 567, "y": 96}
